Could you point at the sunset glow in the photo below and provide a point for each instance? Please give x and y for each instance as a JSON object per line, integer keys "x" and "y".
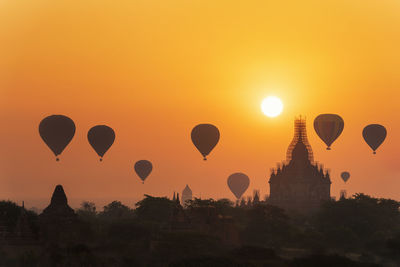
{"x": 152, "y": 70}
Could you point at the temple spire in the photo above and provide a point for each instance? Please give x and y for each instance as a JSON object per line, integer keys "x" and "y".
{"x": 300, "y": 137}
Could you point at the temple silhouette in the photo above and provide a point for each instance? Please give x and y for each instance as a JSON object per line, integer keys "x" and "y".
{"x": 186, "y": 195}
{"x": 299, "y": 185}
{"x": 58, "y": 222}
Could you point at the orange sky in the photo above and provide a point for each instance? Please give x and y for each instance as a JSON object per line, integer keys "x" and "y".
{"x": 154, "y": 69}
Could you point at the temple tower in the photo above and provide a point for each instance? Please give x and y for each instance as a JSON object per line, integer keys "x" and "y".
{"x": 299, "y": 185}
{"x": 58, "y": 221}
{"x": 186, "y": 195}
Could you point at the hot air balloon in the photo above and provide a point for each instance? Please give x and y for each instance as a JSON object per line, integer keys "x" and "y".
{"x": 143, "y": 168}
{"x": 345, "y": 176}
{"x": 374, "y": 135}
{"x": 57, "y": 132}
{"x": 101, "y": 138}
{"x": 205, "y": 137}
{"x": 328, "y": 127}
{"x": 238, "y": 184}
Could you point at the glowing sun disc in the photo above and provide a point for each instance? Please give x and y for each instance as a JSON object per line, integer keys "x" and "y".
{"x": 272, "y": 106}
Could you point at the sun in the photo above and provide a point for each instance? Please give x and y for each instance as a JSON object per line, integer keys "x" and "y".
{"x": 272, "y": 106}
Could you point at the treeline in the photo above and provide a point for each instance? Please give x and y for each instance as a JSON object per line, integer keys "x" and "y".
{"x": 358, "y": 231}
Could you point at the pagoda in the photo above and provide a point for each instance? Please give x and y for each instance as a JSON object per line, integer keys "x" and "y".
{"x": 299, "y": 185}
{"x": 58, "y": 222}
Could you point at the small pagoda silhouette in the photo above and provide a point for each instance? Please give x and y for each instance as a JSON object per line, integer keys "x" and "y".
{"x": 58, "y": 221}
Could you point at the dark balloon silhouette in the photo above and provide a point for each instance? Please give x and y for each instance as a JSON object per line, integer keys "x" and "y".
{"x": 143, "y": 168}
{"x": 345, "y": 176}
{"x": 205, "y": 137}
{"x": 238, "y": 184}
{"x": 328, "y": 127}
{"x": 374, "y": 135}
{"x": 101, "y": 138}
{"x": 57, "y": 132}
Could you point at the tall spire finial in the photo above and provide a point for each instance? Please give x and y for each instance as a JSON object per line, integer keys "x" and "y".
{"x": 300, "y": 136}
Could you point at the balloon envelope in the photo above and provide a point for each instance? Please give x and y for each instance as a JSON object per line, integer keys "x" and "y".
{"x": 328, "y": 127}
{"x": 101, "y": 138}
{"x": 57, "y": 132}
{"x": 345, "y": 176}
{"x": 374, "y": 135}
{"x": 238, "y": 183}
{"x": 205, "y": 137}
{"x": 143, "y": 168}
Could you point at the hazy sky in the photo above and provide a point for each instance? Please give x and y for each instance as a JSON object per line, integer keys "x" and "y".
{"x": 153, "y": 69}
